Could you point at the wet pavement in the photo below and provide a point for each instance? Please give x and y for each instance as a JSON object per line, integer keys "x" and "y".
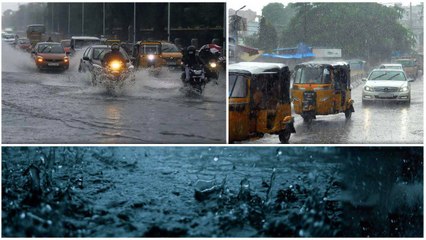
{"x": 62, "y": 107}
{"x": 379, "y": 123}
{"x": 211, "y": 192}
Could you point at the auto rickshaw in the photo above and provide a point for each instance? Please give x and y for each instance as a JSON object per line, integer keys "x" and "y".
{"x": 259, "y": 101}
{"x": 322, "y": 88}
{"x": 148, "y": 54}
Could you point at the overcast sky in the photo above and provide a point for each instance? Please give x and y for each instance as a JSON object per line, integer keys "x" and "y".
{"x": 258, "y": 5}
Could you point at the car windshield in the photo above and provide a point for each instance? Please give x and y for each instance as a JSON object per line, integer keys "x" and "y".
{"x": 237, "y": 86}
{"x": 80, "y": 43}
{"x": 24, "y": 41}
{"x": 50, "y": 48}
{"x": 168, "y": 47}
{"x": 387, "y": 75}
{"x": 312, "y": 75}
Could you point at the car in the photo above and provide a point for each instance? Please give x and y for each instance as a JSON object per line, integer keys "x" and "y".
{"x": 409, "y": 65}
{"x": 8, "y": 37}
{"x": 172, "y": 54}
{"x": 80, "y": 42}
{"x": 387, "y": 85}
{"x": 391, "y": 66}
{"x": 66, "y": 43}
{"x": 23, "y": 44}
{"x": 50, "y": 55}
{"x": 94, "y": 54}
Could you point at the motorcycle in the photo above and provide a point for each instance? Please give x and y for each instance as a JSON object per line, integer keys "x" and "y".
{"x": 197, "y": 80}
{"x": 114, "y": 74}
{"x": 212, "y": 70}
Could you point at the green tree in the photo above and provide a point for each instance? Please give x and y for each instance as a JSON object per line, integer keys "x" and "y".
{"x": 367, "y": 30}
{"x": 267, "y": 36}
{"x": 278, "y": 15}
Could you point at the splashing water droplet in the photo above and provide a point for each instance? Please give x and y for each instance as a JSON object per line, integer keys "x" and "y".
{"x": 215, "y": 159}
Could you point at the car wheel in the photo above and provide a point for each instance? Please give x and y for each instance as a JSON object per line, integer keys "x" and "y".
{"x": 284, "y": 136}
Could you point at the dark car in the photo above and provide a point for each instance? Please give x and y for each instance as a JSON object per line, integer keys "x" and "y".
{"x": 94, "y": 55}
{"x": 50, "y": 55}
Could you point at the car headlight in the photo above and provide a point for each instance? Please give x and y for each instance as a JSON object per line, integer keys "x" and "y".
{"x": 367, "y": 88}
{"x": 404, "y": 89}
{"x": 151, "y": 57}
{"x": 40, "y": 59}
{"x": 66, "y": 59}
{"x": 115, "y": 65}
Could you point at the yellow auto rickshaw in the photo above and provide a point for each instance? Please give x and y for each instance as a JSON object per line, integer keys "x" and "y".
{"x": 322, "y": 88}
{"x": 148, "y": 54}
{"x": 259, "y": 101}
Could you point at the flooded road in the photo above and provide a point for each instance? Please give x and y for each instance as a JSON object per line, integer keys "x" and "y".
{"x": 211, "y": 192}
{"x": 380, "y": 123}
{"x": 55, "y": 107}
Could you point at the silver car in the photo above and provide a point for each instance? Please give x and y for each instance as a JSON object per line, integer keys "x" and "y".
{"x": 387, "y": 85}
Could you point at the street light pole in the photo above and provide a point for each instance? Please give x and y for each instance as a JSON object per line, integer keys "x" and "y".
{"x": 82, "y": 19}
{"x": 134, "y": 23}
{"x": 168, "y": 22}
{"x": 69, "y": 19}
{"x": 235, "y": 23}
{"x": 103, "y": 19}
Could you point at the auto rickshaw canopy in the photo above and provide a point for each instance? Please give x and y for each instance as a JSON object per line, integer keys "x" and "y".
{"x": 269, "y": 82}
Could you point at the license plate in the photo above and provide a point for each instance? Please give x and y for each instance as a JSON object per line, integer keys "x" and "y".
{"x": 171, "y": 63}
{"x": 386, "y": 95}
{"x": 53, "y": 64}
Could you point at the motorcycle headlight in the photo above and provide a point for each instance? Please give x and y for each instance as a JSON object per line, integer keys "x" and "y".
{"x": 403, "y": 89}
{"x": 151, "y": 57}
{"x": 213, "y": 64}
{"x": 115, "y": 65}
{"x": 367, "y": 88}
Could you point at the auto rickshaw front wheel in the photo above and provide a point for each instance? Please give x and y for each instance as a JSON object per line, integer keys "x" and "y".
{"x": 284, "y": 136}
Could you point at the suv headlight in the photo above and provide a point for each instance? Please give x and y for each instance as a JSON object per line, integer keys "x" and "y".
{"x": 367, "y": 88}
{"x": 404, "y": 89}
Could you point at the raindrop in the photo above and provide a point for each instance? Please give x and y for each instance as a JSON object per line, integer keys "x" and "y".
{"x": 215, "y": 159}
{"x": 22, "y": 216}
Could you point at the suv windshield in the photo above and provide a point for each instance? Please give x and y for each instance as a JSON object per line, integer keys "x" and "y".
{"x": 387, "y": 75}
{"x": 50, "y": 48}
{"x": 312, "y": 75}
{"x": 237, "y": 86}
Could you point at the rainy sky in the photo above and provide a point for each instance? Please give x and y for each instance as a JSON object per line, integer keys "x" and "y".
{"x": 258, "y": 5}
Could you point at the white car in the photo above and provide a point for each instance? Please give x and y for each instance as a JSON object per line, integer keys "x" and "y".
{"x": 388, "y": 85}
{"x": 391, "y": 66}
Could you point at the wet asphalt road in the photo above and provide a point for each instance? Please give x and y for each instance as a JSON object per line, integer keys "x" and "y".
{"x": 380, "y": 123}
{"x": 62, "y": 107}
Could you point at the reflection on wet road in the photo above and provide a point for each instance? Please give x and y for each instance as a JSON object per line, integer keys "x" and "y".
{"x": 381, "y": 122}
{"x": 54, "y": 107}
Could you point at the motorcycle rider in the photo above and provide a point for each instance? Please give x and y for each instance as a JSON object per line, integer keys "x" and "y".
{"x": 208, "y": 53}
{"x": 114, "y": 54}
{"x": 190, "y": 59}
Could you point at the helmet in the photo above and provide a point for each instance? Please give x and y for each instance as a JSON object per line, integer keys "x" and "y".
{"x": 191, "y": 50}
{"x": 115, "y": 47}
